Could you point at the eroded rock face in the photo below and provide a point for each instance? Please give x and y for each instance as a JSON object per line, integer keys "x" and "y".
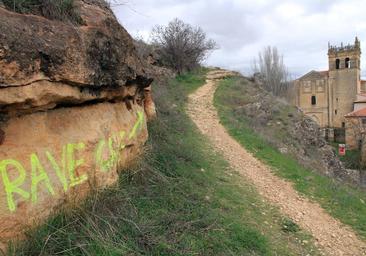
{"x": 74, "y": 101}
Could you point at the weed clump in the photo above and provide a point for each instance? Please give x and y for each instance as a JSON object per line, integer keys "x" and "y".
{"x": 288, "y": 226}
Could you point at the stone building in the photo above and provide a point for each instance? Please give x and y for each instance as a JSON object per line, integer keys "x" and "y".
{"x": 328, "y": 96}
{"x": 356, "y": 129}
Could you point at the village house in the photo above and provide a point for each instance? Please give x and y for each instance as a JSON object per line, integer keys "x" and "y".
{"x": 336, "y": 98}
{"x": 355, "y": 128}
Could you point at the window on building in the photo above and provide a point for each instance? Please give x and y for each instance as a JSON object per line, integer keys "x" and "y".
{"x": 336, "y": 112}
{"x": 313, "y": 100}
{"x": 364, "y": 121}
{"x": 338, "y": 63}
{"x": 343, "y": 125}
{"x": 347, "y": 63}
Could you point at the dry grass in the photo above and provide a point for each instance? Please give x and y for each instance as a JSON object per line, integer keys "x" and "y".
{"x": 63, "y": 10}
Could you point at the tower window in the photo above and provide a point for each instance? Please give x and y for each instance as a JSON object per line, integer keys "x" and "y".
{"x": 348, "y": 63}
{"x": 343, "y": 125}
{"x": 336, "y": 112}
{"x": 313, "y": 100}
{"x": 338, "y": 63}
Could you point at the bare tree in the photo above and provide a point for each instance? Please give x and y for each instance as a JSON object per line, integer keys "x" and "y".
{"x": 272, "y": 71}
{"x": 181, "y": 46}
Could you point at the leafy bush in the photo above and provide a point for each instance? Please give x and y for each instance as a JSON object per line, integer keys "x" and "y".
{"x": 63, "y": 10}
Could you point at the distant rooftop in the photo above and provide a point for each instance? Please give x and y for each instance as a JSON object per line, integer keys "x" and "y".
{"x": 315, "y": 74}
{"x": 357, "y": 113}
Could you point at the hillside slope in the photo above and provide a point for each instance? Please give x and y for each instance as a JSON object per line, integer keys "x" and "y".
{"x": 284, "y": 127}
{"x": 182, "y": 200}
{"x": 341, "y": 201}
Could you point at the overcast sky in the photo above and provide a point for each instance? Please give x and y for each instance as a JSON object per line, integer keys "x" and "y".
{"x": 300, "y": 29}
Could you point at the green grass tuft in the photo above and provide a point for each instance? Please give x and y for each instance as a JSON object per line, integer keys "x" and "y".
{"x": 289, "y": 226}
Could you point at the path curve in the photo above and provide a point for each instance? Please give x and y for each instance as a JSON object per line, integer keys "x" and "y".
{"x": 332, "y": 237}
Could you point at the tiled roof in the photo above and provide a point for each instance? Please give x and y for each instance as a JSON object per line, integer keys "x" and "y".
{"x": 361, "y": 98}
{"x": 325, "y": 73}
{"x": 358, "y": 113}
{"x": 315, "y": 75}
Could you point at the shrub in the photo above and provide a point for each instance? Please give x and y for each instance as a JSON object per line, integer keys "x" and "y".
{"x": 181, "y": 46}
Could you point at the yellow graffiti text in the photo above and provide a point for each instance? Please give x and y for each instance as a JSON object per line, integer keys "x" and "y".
{"x": 66, "y": 168}
{"x": 73, "y": 164}
{"x": 37, "y": 177}
{"x": 12, "y": 187}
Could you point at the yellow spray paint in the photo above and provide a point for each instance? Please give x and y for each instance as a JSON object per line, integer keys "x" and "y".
{"x": 108, "y": 164}
{"x": 39, "y": 176}
{"x": 104, "y": 165}
{"x": 122, "y": 135}
{"x": 138, "y": 124}
{"x": 60, "y": 171}
{"x": 12, "y": 187}
{"x": 73, "y": 164}
{"x": 67, "y": 167}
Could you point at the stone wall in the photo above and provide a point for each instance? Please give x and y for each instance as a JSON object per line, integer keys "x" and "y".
{"x": 344, "y": 85}
{"x": 314, "y": 85}
{"x": 353, "y": 135}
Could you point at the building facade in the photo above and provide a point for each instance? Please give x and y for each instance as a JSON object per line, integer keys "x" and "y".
{"x": 328, "y": 96}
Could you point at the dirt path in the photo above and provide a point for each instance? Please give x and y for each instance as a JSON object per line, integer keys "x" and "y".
{"x": 332, "y": 237}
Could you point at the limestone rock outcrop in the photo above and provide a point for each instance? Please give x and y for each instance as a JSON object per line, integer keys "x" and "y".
{"x": 74, "y": 100}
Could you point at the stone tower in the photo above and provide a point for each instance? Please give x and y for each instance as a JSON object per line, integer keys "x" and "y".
{"x": 344, "y": 81}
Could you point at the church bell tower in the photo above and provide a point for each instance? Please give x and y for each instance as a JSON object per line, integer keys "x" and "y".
{"x": 344, "y": 80}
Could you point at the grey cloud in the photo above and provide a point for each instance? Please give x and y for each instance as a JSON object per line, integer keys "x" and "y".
{"x": 227, "y": 23}
{"x": 315, "y": 6}
{"x": 301, "y": 30}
